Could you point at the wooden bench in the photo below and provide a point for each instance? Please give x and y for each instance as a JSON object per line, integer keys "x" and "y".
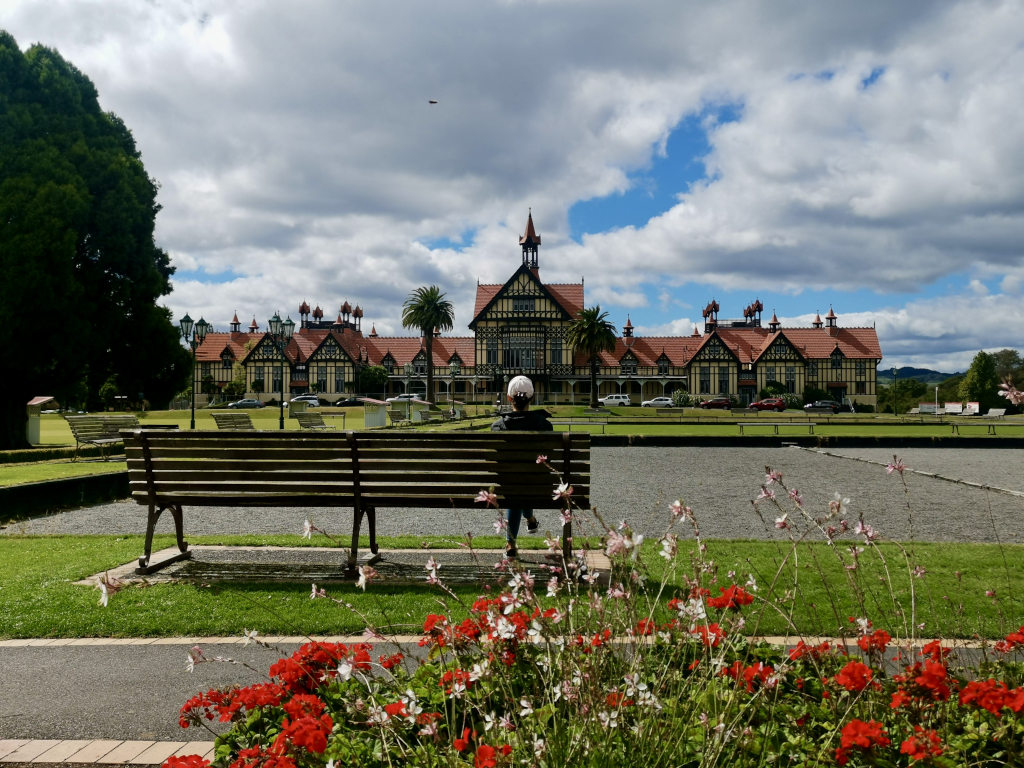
{"x": 100, "y": 430}
{"x": 996, "y": 413}
{"x": 309, "y": 420}
{"x": 776, "y": 424}
{"x": 233, "y": 420}
{"x": 580, "y": 423}
{"x": 991, "y": 426}
{"x": 398, "y": 417}
{"x": 678, "y": 412}
{"x": 363, "y": 470}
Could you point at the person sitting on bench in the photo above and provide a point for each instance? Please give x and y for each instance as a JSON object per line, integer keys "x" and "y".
{"x": 520, "y": 393}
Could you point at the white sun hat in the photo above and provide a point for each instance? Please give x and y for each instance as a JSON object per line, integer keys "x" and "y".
{"x": 520, "y": 385}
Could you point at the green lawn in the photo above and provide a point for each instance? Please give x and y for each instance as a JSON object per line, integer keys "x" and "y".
{"x": 54, "y": 430}
{"x": 804, "y": 590}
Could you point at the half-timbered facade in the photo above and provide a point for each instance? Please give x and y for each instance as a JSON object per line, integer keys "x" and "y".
{"x": 520, "y": 327}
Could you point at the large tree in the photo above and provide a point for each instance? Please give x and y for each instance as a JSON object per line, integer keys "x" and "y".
{"x": 981, "y": 382}
{"x": 80, "y": 273}
{"x": 429, "y": 310}
{"x": 590, "y": 334}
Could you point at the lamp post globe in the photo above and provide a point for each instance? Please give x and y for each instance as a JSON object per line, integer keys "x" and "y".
{"x": 193, "y": 333}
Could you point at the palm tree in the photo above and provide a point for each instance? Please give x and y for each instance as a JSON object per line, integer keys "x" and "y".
{"x": 429, "y": 310}
{"x": 591, "y": 333}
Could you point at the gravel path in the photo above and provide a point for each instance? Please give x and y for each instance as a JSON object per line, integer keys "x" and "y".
{"x": 638, "y": 484}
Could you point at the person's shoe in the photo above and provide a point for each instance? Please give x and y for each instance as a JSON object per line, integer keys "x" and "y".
{"x": 532, "y": 525}
{"x": 511, "y": 553}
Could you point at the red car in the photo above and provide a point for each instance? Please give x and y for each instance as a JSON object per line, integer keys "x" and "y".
{"x": 769, "y": 404}
{"x": 716, "y": 402}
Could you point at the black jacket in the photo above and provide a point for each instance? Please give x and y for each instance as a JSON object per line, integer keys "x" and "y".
{"x": 523, "y": 421}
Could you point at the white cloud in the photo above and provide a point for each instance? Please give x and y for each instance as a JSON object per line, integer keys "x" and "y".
{"x": 878, "y": 147}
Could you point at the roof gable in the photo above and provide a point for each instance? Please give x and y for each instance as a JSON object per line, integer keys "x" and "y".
{"x": 566, "y": 297}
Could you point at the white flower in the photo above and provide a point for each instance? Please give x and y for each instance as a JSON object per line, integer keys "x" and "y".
{"x": 525, "y": 707}
{"x": 250, "y": 636}
{"x": 307, "y": 529}
{"x": 345, "y": 669}
{"x": 563, "y": 491}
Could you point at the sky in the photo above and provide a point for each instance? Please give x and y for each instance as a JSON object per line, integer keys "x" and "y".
{"x": 866, "y": 157}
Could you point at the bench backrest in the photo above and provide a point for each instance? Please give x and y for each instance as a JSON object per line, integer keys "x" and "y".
{"x": 307, "y": 419}
{"x": 996, "y": 412}
{"x": 329, "y": 469}
{"x": 228, "y": 420}
{"x": 87, "y": 427}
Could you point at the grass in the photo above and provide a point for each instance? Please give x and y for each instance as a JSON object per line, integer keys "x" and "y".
{"x": 54, "y": 431}
{"x": 39, "y": 599}
{"x": 59, "y": 469}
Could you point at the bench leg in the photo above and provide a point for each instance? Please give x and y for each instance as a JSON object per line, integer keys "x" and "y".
{"x": 183, "y": 551}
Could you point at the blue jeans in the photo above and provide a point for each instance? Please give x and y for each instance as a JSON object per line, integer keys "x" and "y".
{"x": 515, "y": 519}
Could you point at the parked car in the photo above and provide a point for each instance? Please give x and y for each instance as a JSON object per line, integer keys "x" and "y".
{"x": 836, "y": 407}
{"x": 769, "y": 404}
{"x": 716, "y": 402}
{"x": 248, "y": 402}
{"x": 348, "y": 402}
{"x": 610, "y": 400}
{"x": 311, "y": 401}
{"x": 657, "y": 402}
{"x": 403, "y": 398}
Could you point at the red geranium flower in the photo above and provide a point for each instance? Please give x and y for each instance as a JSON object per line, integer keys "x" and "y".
{"x": 731, "y": 597}
{"x": 855, "y": 676}
{"x": 876, "y": 641}
{"x": 924, "y": 743}
{"x": 862, "y": 735}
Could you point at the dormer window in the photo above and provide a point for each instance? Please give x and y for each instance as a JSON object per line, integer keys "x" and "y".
{"x": 627, "y": 366}
{"x": 837, "y": 359}
{"x": 663, "y": 366}
{"x": 523, "y": 303}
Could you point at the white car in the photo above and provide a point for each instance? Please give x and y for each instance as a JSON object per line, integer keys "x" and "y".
{"x": 609, "y": 400}
{"x": 657, "y": 402}
{"x": 311, "y": 401}
{"x": 403, "y": 398}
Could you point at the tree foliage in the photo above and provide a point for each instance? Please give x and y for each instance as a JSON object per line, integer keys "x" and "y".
{"x": 373, "y": 380}
{"x": 981, "y": 382}
{"x": 590, "y": 334}
{"x": 80, "y": 273}
{"x": 428, "y": 309}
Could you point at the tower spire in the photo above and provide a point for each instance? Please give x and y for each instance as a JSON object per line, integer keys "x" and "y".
{"x": 530, "y": 242}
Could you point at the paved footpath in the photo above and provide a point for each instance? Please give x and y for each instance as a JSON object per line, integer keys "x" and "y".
{"x": 117, "y": 701}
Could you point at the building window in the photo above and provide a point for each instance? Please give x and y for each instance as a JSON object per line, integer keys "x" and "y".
{"x": 419, "y": 367}
{"x": 812, "y": 369}
{"x": 663, "y": 367}
{"x": 705, "y": 378}
{"x": 522, "y": 352}
{"x": 492, "y": 351}
{"x": 627, "y": 366}
{"x": 556, "y": 350}
{"x": 862, "y": 388}
{"x": 723, "y": 381}
{"x": 321, "y": 378}
{"x": 862, "y": 369}
{"x": 837, "y": 360}
{"x": 339, "y": 380}
{"x": 523, "y": 303}
{"x": 790, "y": 378}
{"x": 769, "y": 374}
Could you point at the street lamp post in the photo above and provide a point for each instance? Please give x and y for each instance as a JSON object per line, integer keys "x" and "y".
{"x": 193, "y": 333}
{"x": 453, "y": 369}
{"x": 280, "y": 334}
{"x": 893, "y": 391}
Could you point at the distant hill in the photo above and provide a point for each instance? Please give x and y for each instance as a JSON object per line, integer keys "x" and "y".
{"x": 924, "y": 375}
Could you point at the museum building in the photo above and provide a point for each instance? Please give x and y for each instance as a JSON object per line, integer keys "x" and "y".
{"x": 520, "y": 327}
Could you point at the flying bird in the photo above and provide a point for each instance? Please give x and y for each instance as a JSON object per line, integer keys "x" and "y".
{"x": 432, "y": 101}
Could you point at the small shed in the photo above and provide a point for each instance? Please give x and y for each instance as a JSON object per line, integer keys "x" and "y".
{"x": 375, "y": 412}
